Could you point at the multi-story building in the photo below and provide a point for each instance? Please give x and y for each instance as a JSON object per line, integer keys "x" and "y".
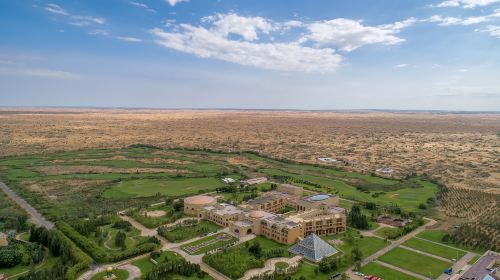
{"x": 321, "y": 216}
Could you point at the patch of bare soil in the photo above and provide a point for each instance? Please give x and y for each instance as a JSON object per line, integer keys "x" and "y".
{"x": 71, "y": 169}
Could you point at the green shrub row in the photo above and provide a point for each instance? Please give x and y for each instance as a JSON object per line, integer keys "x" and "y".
{"x": 98, "y": 253}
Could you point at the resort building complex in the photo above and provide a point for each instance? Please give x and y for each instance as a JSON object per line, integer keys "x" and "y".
{"x": 317, "y": 214}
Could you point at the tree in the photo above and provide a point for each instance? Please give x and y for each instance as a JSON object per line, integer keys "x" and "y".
{"x": 120, "y": 239}
{"x": 357, "y": 219}
{"x": 255, "y": 250}
{"x": 9, "y": 257}
{"x": 178, "y": 205}
{"x": 356, "y": 253}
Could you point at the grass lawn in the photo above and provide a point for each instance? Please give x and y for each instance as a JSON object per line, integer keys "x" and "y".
{"x": 474, "y": 260}
{"x": 145, "y": 265}
{"x": 308, "y": 271}
{"x": 367, "y": 245}
{"x": 119, "y": 273}
{"x": 389, "y": 233}
{"x": 437, "y": 236}
{"x": 208, "y": 247}
{"x": 183, "y": 232}
{"x": 170, "y": 187}
{"x": 435, "y": 249}
{"x": 384, "y": 272}
{"x": 415, "y": 262}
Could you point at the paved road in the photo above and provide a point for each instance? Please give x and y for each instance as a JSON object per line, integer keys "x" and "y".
{"x": 36, "y": 217}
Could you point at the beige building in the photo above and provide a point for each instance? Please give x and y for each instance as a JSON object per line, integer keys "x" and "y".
{"x": 320, "y": 215}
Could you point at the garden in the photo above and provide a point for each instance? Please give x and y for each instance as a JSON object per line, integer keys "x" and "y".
{"x": 187, "y": 229}
{"x": 165, "y": 212}
{"x": 234, "y": 261}
{"x": 209, "y": 243}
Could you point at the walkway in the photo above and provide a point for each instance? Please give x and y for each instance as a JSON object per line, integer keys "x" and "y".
{"x": 36, "y": 217}
{"x": 270, "y": 266}
{"x": 133, "y": 271}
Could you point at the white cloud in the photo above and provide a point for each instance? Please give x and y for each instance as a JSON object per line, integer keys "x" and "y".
{"x": 465, "y": 3}
{"x": 56, "y": 9}
{"x": 76, "y": 20}
{"x": 174, "y": 2}
{"x": 313, "y": 50}
{"x": 205, "y": 43}
{"x": 447, "y": 21}
{"x": 492, "y": 30}
{"x": 402, "y": 65}
{"x": 38, "y": 72}
{"x": 143, "y": 6}
{"x": 108, "y": 35}
{"x": 128, "y": 39}
{"x": 349, "y": 34}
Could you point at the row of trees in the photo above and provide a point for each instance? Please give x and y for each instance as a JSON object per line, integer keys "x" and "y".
{"x": 174, "y": 266}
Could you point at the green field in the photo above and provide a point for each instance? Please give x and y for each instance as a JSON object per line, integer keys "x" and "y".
{"x": 438, "y": 235}
{"x": 385, "y": 272}
{"x": 93, "y": 182}
{"x": 309, "y": 271}
{"x": 434, "y": 249}
{"x": 169, "y": 187}
{"x": 415, "y": 262}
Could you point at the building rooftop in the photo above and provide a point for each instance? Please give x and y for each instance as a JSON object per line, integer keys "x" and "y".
{"x": 199, "y": 200}
{"x": 318, "y": 197}
{"x": 487, "y": 267}
{"x": 313, "y": 248}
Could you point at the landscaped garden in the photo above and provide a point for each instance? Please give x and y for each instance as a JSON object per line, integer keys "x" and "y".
{"x": 187, "y": 229}
{"x": 415, "y": 262}
{"x": 209, "y": 243}
{"x": 234, "y": 261}
{"x": 159, "y": 214}
{"x": 384, "y": 272}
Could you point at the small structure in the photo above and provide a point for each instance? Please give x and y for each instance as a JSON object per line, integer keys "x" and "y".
{"x": 385, "y": 170}
{"x": 254, "y": 181}
{"x": 327, "y": 159}
{"x": 228, "y": 180}
{"x": 3, "y": 240}
{"x": 109, "y": 274}
{"x": 392, "y": 221}
{"x": 313, "y": 248}
{"x": 486, "y": 268}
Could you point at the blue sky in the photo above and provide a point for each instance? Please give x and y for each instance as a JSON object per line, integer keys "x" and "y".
{"x": 280, "y": 54}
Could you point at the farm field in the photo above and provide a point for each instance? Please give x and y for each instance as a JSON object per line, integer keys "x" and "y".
{"x": 435, "y": 249}
{"x": 415, "y": 262}
{"x": 384, "y": 272}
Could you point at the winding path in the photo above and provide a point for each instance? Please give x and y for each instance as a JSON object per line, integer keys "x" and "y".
{"x": 270, "y": 266}
{"x": 36, "y": 217}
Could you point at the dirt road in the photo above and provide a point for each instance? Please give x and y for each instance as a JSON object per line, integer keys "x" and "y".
{"x": 35, "y": 216}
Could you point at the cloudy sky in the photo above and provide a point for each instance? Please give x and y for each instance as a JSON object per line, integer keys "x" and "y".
{"x": 280, "y": 54}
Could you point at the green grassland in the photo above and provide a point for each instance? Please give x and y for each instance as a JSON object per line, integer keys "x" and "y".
{"x": 434, "y": 249}
{"x": 94, "y": 182}
{"x": 415, "y": 262}
{"x": 385, "y": 272}
{"x": 439, "y": 237}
